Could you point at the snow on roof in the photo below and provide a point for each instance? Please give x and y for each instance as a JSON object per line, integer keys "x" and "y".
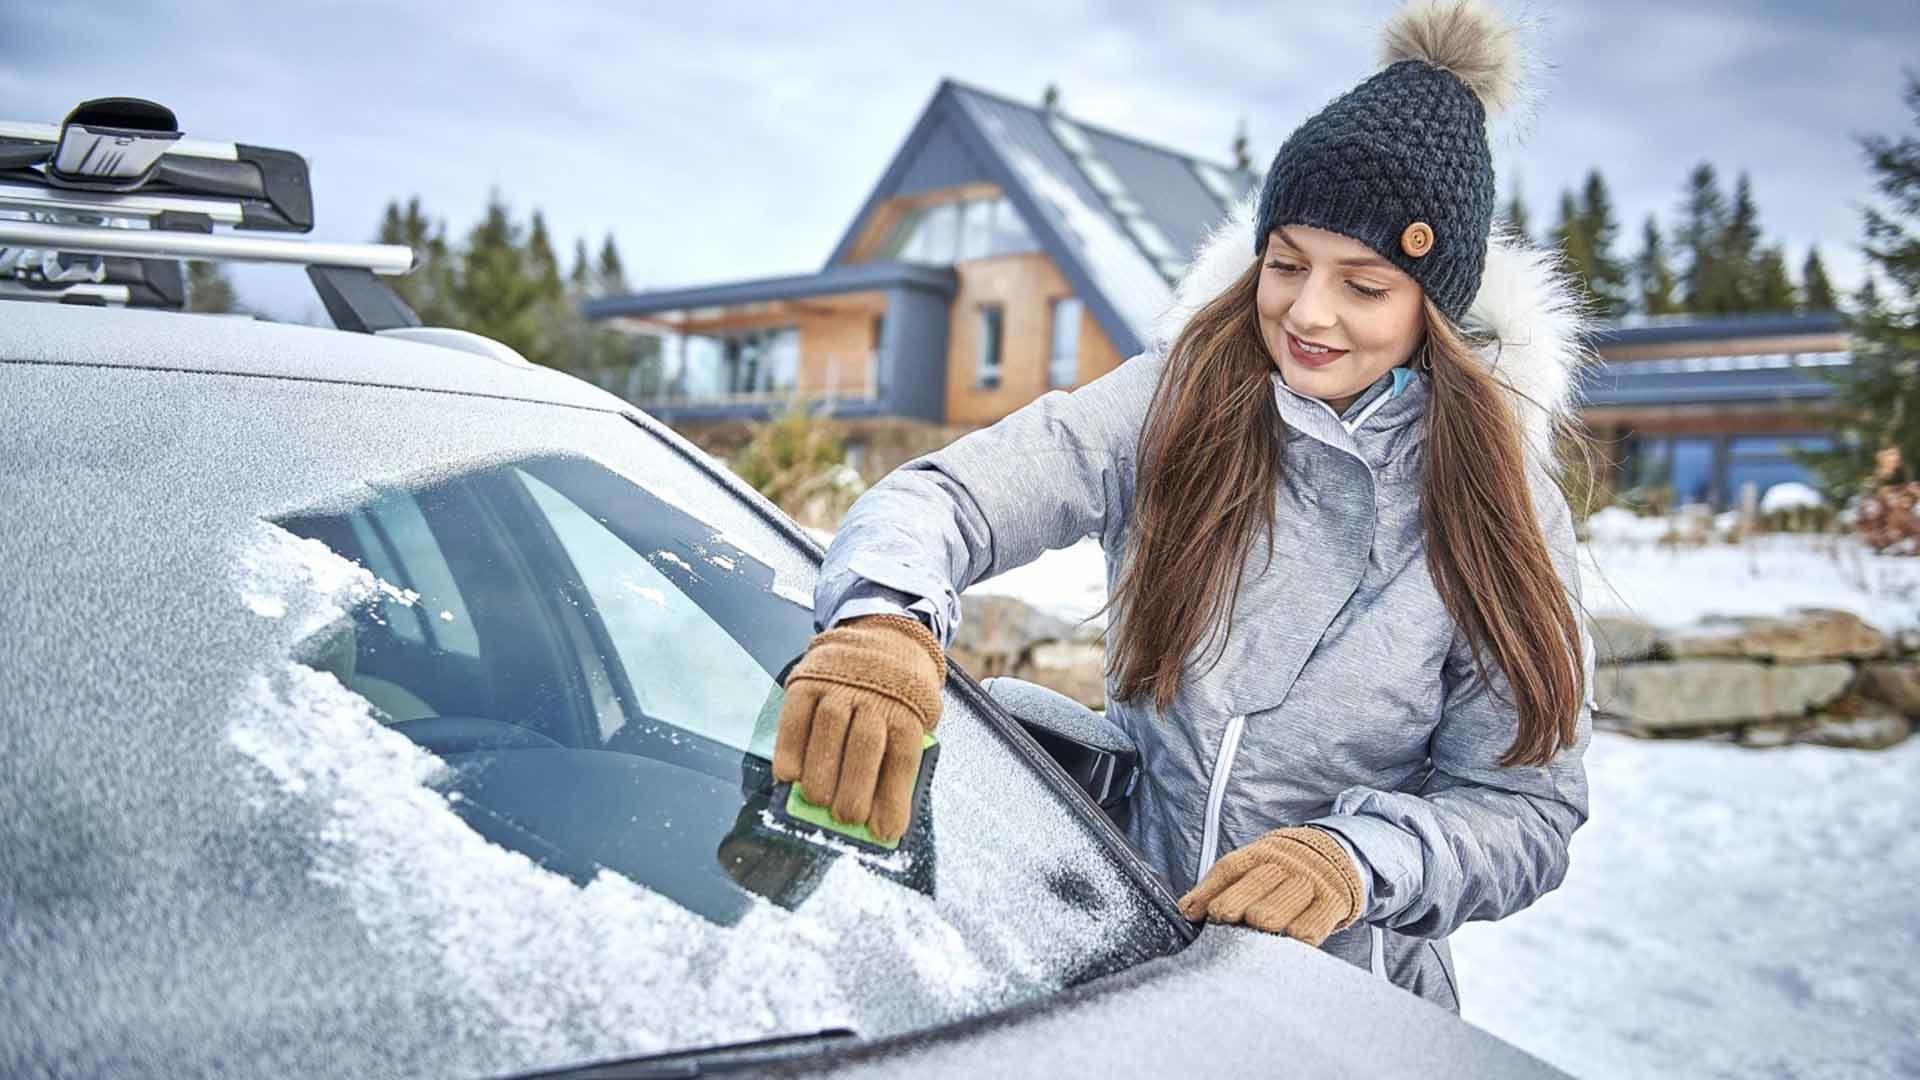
{"x": 1120, "y": 270}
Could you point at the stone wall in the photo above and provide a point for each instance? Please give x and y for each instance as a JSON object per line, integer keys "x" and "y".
{"x": 1816, "y": 676}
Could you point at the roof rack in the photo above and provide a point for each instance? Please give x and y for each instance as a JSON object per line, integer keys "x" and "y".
{"x": 100, "y": 208}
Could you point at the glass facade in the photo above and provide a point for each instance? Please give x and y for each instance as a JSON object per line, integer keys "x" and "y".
{"x": 762, "y": 363}
{"x": 958, "y": 231}
{"x": 1761, "y": 460}
{"x": 1713, "y": 469}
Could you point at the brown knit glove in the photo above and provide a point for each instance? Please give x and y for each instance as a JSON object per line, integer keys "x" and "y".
{"x": 857, "y": 706}
{"x": 1295, "y": 882}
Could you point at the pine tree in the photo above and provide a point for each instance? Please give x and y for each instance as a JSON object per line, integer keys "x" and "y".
{"x": 1513, "y": 217}
{"x": 1606, "y": 274}
{"x": 1867, "y": 296}
{"x": 1740, "y": 254}
{"x": 1774, "y": 291}
{"x": 1703, "y": 220}
{"x": 1891, "y": 247}
{"x": 497, "y": 290}
{"x": 580, "y": 277}
{"x": 209, "y": 289}
{"x": 1818, "y": 291}
{"x": 428, "y": 290}
{"x": 540, "y": 257}
{"x": 610, "y": 277}
{"x": 505, "y": 283}
{"x": 1569, "y": 235}
{"x": 1653, "y": 280}
{"x": 1877, "y": 395}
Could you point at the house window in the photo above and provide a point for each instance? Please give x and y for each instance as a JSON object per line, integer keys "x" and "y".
{"x": 1063, "y": 361}
{"x": 1010, "y": 232}
{"x": 949, "y": 232}
{"x": 1683, "y": 466}
{"x": 976, "y": 229}
{"x": 764, "y": 362}
{"x": 992, "y": 320}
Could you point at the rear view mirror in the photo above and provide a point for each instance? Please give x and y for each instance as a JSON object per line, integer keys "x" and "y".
{"x": 1094, "y": 751}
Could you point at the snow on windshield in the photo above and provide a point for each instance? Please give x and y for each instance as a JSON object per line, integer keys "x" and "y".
{"x": 541, "y": 971}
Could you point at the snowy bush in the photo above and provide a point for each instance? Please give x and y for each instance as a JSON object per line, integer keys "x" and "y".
{"x": 1796, "y": 508}
{"x": 1617, "y": 524}
{"x": 1790, "y": 496}
{"x": 1885, "y": 520}
{"x": 798, "y": 460}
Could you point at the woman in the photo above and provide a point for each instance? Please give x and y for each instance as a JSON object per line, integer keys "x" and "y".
{"x": 1341, "y": 574}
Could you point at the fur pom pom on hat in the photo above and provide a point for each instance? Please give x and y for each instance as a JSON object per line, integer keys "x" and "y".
{"x": 1401, "y": 162}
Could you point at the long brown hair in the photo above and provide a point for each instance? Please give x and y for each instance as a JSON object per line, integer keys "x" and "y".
{"x": 1210, "y": 461}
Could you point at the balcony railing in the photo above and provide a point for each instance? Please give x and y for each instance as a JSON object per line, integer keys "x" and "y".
{"x": 851, "y": 377}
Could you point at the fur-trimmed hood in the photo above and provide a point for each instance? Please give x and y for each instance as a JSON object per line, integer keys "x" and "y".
{"x": 1526, "y": 300}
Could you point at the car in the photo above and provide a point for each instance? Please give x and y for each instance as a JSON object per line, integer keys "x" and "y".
{"x": 379, "y": 703}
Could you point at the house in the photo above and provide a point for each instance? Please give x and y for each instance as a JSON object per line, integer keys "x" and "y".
{"x": 1705, "y": 406}
{"x": 1009, "y": 249}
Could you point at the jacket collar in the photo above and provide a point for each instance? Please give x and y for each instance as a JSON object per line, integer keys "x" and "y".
{"x": 1527, "y": 301}
{"x": 1376, "y": 428}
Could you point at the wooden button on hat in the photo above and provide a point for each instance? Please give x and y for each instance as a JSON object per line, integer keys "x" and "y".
{"x": 1417, "y": 240}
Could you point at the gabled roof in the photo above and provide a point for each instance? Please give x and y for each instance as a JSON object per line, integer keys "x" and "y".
{"x": 966, "y": 133}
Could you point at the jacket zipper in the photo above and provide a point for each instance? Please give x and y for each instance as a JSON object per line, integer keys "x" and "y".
{"x": 1217, "y": 794}
{"x": 1210, "y": 841}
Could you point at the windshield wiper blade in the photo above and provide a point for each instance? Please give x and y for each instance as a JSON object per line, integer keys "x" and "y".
{"x": 703, "y": 1061}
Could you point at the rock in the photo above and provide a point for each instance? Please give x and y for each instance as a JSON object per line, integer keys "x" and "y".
{"x": 1717, "y": 731}
{"x": 996, "y": 632}
{"x": 1074, "y": 668}
{"x": 1606, "y": 721}
{"x": 1813, "y": 634}
{"x": 1771, "y": 733}
{"x": 1894, "y": 682}
{"x": 1689, "y": 695}
{"x": 1907, "y": 642}
{"x": 1872, "y": 727}
{"x": 999, "y": 635}
{"x": 1708, "y": 637}
{"x": 1621, "y": 637}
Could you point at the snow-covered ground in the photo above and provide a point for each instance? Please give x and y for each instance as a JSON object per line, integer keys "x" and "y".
{"x": 1728, "y": 913}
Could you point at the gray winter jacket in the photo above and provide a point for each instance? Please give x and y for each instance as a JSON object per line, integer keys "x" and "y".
{"x": 1345, "y": 696}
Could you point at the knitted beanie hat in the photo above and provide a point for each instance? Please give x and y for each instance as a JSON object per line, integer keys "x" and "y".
{"x": 1400, "y": 162}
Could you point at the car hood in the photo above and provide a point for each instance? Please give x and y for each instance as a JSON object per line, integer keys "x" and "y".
{"x": 1236, "y": 1002}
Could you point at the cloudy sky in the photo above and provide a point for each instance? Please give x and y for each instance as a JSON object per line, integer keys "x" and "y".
{"x": 724, "y": 140}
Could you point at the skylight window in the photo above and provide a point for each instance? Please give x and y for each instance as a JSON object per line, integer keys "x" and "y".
{"x": 1146, "y": 235}
{"x": 1218, "y": 182}
{"x": 1069, "y": 135}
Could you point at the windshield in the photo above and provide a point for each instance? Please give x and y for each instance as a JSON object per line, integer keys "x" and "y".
{"x": 439, "y": 748}
{"x": 605, "y": 699}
